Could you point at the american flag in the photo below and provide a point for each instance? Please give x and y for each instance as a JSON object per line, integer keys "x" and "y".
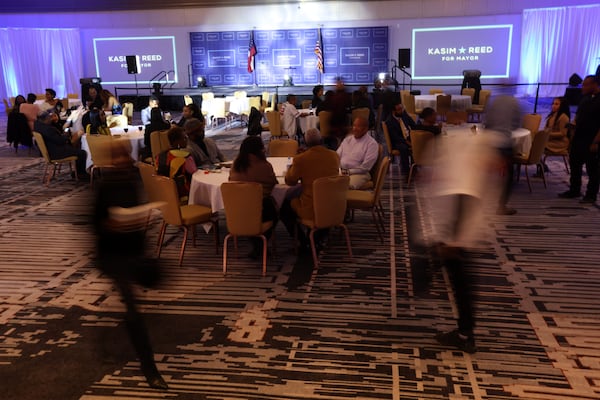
{"x": 251, "y": 53}
{"x": 319, "y": 52}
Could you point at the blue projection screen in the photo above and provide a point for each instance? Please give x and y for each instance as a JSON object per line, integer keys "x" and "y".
{"x": 355, "y": 54}
{"x": 443, "y": 53}
{"x": 156, "y": 54}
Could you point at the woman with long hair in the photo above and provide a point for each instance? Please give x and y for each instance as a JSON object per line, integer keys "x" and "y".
{"x": 190, "y": 111}
{"x": 557, "y": 123}
{"x": 251, "y": 165}
{"x": 97, "y": 125}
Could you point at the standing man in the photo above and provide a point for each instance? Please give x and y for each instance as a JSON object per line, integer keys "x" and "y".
{"x": 358, "y": 153}
{"x": 584, "y": 144}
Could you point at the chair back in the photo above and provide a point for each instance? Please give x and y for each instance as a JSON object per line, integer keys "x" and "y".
{"x": 187, "y": 100}
{"x": 443, "y": 104}
{"x": 468, "y": 92}
{"x": 325, "y": 123}
{"x": 7, "y": 108}
{"x": 456, "y": 117}
{"x": 382, "y": 170}
{"x": 283, "y": 148}
{"x": 166, "y": 190}
{"x": 243, "y": 207}
{"x": 378, "y": 116}
{"x": 100, "y": 149}
{"x": 159, "y": 142}
{"x": 255, "y": 101}
{"x": 65, "y": 102}
{"x": 274, "y": 123}
{"x": 484, "y": 97}
{"x": 208, "y": 96}
{"x": 306, "y": 103}
{"x": 72, "y": 95}
{"x": 409, "y": 103}
{"x": 532, "y": 122}
{"x": 330, "y": 195}
{"x": 386, "y": 135}
{"x": 39, "y": 140}
{"x": 436, "y": 91}
{"x": 540, "y": 138}
{"x": 362, "y": 112}
{"x": 147, "y": 171}
{"x": 421, "y": 146}
{"x": 375, "y": 167}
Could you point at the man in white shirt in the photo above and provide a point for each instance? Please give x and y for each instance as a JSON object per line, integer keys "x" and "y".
{"x": 358, "y": 153}
{"x": 289, "y": 115}
{"x": 152, "y": 102}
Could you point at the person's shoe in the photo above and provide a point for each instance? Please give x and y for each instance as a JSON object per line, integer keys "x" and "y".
{"x": 157, "y": 382}
{"x": 587, "y": 200}
{"x": 569, "y": 194}
{"x": 456, "y": 339}
{"x": 505, "y": 211}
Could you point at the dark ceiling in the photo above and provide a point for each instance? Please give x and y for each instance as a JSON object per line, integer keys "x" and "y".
{"x": 44, "y": 6}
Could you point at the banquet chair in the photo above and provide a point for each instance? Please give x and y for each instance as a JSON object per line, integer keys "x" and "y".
{"x": 443, "y": 105}
{"x": 532, "y": 122}
{"x": 371, "y": 200}
{"x": 325, "y": 123}
{"x": 72, "y": 95}
{"x": 479, "y": 108}
{"x": 39, "y": 140}
{"x": 540, "y": 138}
{"x": 116, "y": 120}
{"x": 128, "y": 111}
{"x": 219, "y": 111}
{"x": 370, "y": 184}
{"x": 265, "y": 102}
{"x": 388, "y": 141}
{"x": 243, "y": 216}
{"x": 147, "y": 171}
{"x": 468, "y": 92}
{"x": 306, "y": 103}
{"x": 456, "y": 117}
{"x": 100, "y": 153}
{"x": 421, "y": 150}
{"x": 274, "y": 120}
{"x": 283, "y": 148}
{"x": 187, "y": 100}
{"x": 159, "y": 142}
{"x": 409, "y": 104}
{"x": 330, "y": 200}
{"x": 184, "y": 216}
{"x": 563, "y": 153}
{"x": 436, "y": 91}
{"x": 7, "y": 107}
{"x": 362, "y": 112}
{"x": 65, "y": 102}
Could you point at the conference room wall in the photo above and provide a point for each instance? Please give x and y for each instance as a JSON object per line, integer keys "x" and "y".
{"x": 400, "y": 17}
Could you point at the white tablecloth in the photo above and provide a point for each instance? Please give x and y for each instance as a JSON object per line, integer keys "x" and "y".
{"x": 521, "y": 137}
{"x": 205, "y": 188}
{"x": 133, "y": 134}
{"x": 308, "y": 122}
{"x": 459, "y": 102}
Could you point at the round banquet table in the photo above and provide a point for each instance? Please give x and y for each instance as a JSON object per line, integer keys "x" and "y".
{"x": 308, "y": 122}
{"x": 521, "y": 137}
{"x": 459, "y": 102}
{"x": 133, "y": 135}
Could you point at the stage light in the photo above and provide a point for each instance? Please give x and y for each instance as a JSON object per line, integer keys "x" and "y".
{"x": 201, "y": 81}
{"x": 287, "y": 80}
{"x": 382, "y": 76}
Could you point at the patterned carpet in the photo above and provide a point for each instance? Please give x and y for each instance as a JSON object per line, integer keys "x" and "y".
{"x": 336, "y": 332}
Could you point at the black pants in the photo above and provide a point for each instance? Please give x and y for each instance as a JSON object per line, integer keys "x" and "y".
{"x": 507, "y": 154}
{"x": 577, "y": 159}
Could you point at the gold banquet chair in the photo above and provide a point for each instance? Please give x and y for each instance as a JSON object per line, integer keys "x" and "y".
{"x": 420, "y": 141}
{"x": 480, "y": 107}
{"x": 275, "y": 125}
{"x": 330, "y": 200}
{"x": 283, "y": 148}
{"x": 243, "y": 215}
{"x": 532, "y": 122}
{"x": 535, "y": 156}
{"x": 100, "y": 153}
{"x": 39, "y": 140}
{"x": 371, "y": 200}
{"x": 186, "y": 216}
{"x": 159, "y": 142}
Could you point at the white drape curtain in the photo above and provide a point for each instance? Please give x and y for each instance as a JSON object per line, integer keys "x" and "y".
{"x": 556, "y": 43}
{"x": 32, "y": 60}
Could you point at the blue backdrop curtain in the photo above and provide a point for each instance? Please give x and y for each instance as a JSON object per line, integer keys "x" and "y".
{"x": 556, "y": 43}
{"x": 32, "y": 60}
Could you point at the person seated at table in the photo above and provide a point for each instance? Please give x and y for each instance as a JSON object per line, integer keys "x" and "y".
{"x": 17, "y": 128}
{"x": 358, "y": 153}
{"x": 251, "y": 165}
{"x": 110, "y": 102}
{"x": 177, "y": 162}
{"x": 360, "y": 99}
{"x": 147, "y": 112}
{"x": 341, "y": 102}
{"x": 317, "y": 96}
{"x": 58, "y": 145}
{"x": 50, "y": 101}
{"x": 394, "y": 124}
{"x": 290, "y": 115}
{"x": 190, "y": 111}
{"x": 315, "y": 162}
{"x": 97, "y": 125}
{"x": 203, "y": 150}
{"x": 428, "y": 121}
{"x": 93, "y": 99}
{"x": 157, "y": 123}
{"x": 557, "y": 123}
{"x": 30, "y": 109}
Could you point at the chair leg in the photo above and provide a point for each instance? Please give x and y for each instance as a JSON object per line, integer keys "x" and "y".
{"x": 185, "y": 235}
{"x": 527, "y": 176}
{"x": 410, "y": 173}
{"x": 566, "y": 161}
{"x": 225, "y": 253}
{"x": 347, "y": 240}
{"x": 313, "y": 248}
{"x": 377, "y": 224}
{"x": 161, "y": 236}
{"x": 264, "y": 268}
{"x": 543, "y": 175}
{"x": 216, "y": 229}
